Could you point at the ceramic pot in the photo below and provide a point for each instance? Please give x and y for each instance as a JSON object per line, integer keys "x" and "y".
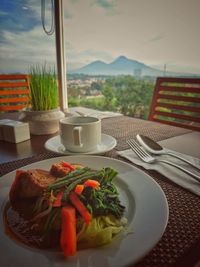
{"x": 43, "y": 122}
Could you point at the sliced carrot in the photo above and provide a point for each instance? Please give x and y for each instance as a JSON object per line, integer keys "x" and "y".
{"x": 80, "y": 207}
{"x": 68, "y": 231}
{"x": 92, "y": 183}
{"x": 79, "y": 189}
{"x": 67, "y": 165}
{"x": 58, "y": 201}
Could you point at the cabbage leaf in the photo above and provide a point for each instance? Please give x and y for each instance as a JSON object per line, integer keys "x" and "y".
{"x": 100, "y": 231}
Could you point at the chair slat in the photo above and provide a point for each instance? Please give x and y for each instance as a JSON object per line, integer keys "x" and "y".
{"x": 195, "y": 90}
{"x": 178, "y": 116}
{"x": 11, "y": 108}
{"x": 14, "y": 99}
{"x": 178, "y": 107}
{"x": 179, "y": 80}
{"x": 14, "y": 92}
{"x": 14, "y": 77}
{"x": 179, "y": 98}
{"x": 13, "y": 84}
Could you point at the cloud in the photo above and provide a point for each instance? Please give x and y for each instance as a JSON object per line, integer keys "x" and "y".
{"x": 76, "y": 59}
{"x": 25, "y": 49}
{"x": 156, "y": 38}
{"x": 22, "y": 16}
{"x": 67, "y": 14}
{"x": 23, "y": 41}
{"x": 17, "y": 17}
{"x": 108, "y": 5}
{"x": 95, "y": 35}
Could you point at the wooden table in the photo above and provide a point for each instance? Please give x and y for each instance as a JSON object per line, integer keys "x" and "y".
{"x": 180, "y": 244}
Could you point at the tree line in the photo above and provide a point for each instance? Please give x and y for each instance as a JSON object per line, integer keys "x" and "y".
{"x": 124, "y": 94}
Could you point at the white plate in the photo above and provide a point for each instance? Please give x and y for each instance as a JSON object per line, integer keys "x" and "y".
{"x": 146, "y": 211}
{"x": 107, "y": 143}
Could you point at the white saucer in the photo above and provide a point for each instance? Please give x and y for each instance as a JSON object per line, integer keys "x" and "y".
{"x": 107, "y": 143}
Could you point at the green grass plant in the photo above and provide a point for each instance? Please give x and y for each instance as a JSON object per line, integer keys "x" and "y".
{"x": 44, "y": 88}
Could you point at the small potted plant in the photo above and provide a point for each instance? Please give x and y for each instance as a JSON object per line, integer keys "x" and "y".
{"x": 44, "y": 113}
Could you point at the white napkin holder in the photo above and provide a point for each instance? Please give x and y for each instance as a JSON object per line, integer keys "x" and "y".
{"x": 14, "y": 131}
{"x": 2, "y": 123}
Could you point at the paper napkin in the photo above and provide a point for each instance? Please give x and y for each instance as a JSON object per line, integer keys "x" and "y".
{"x": 172, "y": 173}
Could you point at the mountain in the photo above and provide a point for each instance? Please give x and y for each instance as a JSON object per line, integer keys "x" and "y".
{"x": 120, "y": 66}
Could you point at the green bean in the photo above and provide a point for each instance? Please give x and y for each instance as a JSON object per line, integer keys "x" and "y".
{"x": 68, "y": 178}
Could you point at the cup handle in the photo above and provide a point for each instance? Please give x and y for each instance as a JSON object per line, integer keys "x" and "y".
{"x": 77, "y": 136}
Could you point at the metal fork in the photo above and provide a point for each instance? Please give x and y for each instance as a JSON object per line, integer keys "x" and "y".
{"x": 146, "y": 157}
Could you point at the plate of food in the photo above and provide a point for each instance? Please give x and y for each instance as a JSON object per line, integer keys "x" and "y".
{"x": 79, "y": 211}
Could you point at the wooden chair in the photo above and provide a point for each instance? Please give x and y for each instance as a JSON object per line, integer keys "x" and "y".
{"x": 14, "y": 92}
{"x": 176, "y": 101}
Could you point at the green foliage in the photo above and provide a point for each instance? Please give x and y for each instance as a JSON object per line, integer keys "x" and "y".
{"x": 124, "y": 94}
{"x": 96, "y": 103}
{"x": 44, "y": 89}
{"x": 96, "y": 86}
{"x": 130, "y": 96}
{"x": 109, "y": 97}
{"x": 73, "y": 101}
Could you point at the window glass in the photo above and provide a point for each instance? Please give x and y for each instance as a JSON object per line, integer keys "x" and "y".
{"x": 115, "y": 49}
{"x": 23, "y": 41}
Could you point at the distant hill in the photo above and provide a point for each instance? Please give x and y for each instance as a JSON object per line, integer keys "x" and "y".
{"x": 121, "y": 65}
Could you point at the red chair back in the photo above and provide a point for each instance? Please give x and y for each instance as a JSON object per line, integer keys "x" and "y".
{"x": 14, "y": 92}
{"x": 176, "y": 101}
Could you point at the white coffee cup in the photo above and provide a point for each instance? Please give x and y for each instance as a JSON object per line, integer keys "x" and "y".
{"x": 80, "y": 134}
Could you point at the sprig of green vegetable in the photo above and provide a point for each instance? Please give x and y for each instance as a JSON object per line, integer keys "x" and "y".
{"x": 101, "y": 201}
{"x": 79, "y": 176}
{"x": 105, "y": 200}
{"x": 55, "y": 213}
{"x": 69, "y": 178}
{"x": 89, "y": 175}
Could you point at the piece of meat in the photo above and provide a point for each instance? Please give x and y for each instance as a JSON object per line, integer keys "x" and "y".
{"x": 58, "y": 170}
{"x": 30, "y": 184}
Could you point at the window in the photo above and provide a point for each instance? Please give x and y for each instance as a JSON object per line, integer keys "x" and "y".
{"x": 113, "y": 48}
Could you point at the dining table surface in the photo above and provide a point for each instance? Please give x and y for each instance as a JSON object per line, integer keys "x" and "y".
{"x": 180, "y": 243}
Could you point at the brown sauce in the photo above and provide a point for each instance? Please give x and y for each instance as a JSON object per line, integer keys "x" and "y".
{"x": 20, "y": 227}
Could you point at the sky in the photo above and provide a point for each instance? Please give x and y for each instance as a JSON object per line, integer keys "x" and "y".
{"x": 154, "y": 32}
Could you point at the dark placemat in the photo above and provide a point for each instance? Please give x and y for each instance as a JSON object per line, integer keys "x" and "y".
{"x": 123, "y": 128}
{"x": 183, "y": 229}
{"x": 16, "y": 164}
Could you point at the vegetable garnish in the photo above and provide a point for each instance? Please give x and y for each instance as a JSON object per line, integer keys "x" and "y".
{"x": 79, "y": 189}
{"x": 58, "y": 200}
{"x": 92, "y": 183}
{"x": 68, "y": 178}
{"x": 68, "y": 230}
{"x": 67, "y": 165}
{"x": 79, "y": 207}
